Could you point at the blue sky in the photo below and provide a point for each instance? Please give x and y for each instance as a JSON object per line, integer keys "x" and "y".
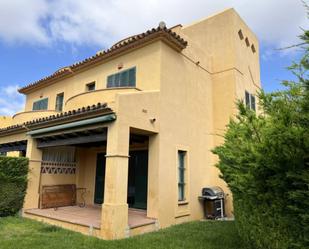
{"x": 37, "y": 37}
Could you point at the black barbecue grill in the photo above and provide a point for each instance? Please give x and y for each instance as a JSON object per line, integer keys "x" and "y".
{"x": 213, "y": 202}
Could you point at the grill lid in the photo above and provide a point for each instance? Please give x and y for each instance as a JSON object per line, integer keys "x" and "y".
{"x": 213, "y": 192}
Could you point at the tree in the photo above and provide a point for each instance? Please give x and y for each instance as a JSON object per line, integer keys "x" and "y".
{"x": 265, "y": 162}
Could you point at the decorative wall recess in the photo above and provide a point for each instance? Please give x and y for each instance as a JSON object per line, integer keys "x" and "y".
{"x": 58, "y": 168}
{"x": 241, "y": 37}
{"x": 240, "y": 34}
{"x": 247, "y": 42}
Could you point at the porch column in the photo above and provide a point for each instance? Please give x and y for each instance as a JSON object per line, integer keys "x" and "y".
{"x": 35, "y": 158}
{"x": 114, "y": 220}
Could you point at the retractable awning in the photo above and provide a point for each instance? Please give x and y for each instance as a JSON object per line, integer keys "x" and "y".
{"x": 87, "y": 136}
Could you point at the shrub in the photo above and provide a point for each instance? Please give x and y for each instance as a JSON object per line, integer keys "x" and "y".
{"x": 13, "y": 184}
{"x": 265, "y": 162}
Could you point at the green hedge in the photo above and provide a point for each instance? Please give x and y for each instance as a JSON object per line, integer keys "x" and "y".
{"x": 13, "y": 184}
{"x": 265, "y": 162}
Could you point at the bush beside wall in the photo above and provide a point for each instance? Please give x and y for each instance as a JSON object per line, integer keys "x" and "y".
{"x": 13, "y": 184}
{"x": 265, "y": 162}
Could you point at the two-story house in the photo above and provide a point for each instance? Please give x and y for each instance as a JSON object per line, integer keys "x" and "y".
{"x": 120, "y": 143}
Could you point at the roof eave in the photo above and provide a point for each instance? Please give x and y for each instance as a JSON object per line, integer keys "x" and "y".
{"x": 173, "y": 40}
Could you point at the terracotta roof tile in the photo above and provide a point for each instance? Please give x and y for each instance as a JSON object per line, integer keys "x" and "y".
{"x": 100, "y": 108}
{"x": 160, "y": 32}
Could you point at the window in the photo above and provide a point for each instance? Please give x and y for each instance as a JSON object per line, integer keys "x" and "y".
{"x": 181, "y": 175}
{"x": 247, "y": 96}
{"x": 90, "y": 87}
{"x": 41, "y": 104}
{"x": 2, "y": 153}
{"x": 250, "y": 100}
{"x": 126, "y": 78}
{"x": 240, "y": 34}
{"x": 59, "y": 102}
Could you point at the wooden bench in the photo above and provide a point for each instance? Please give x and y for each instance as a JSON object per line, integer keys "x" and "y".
{"x": 54, "y": 196}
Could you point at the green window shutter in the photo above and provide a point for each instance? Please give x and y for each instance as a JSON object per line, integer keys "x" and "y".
{"x": 110, "y": 81}
{"x": 122, "y": 79}
{"x": 116, "y": 80}
{"x": 40, "y": 105}
{"x": 35, "y": 106}
{"x": 181, "y": 175}
{"x": 252, "y": 102}
{"x": 247, "y": 98}
{"x": 44, "y": 104}
{"x": 132, "y": 76}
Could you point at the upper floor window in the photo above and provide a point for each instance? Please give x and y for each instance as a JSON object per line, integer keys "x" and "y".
{"x": 250, "y": 100}
{"x": 90, "y": 86}
{"x": 59, "y": 102}
{"x": 41, "y": 104}
{"x": 126, "y": 78}
{"x": 181, "y": 175}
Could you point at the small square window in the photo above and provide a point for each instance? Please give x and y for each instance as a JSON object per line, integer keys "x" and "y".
{"x": 90, "y": 87}
{"x": 125, "y": 78}
{"x": 247, "y": 42}
{"x": 253, "y": 48}
{"x": 240, "y": 34}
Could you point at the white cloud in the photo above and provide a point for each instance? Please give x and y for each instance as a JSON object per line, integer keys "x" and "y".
{"x": 103, "y": 22}
{"x": 20, "y": 21}
{"x": 10, "y": 100}
{"x": 97, "y": 22}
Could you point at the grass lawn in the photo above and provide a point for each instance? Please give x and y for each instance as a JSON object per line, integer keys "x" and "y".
{"x": 20, "y": 233}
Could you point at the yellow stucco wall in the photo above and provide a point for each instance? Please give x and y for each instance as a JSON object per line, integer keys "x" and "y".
{"x": 182, "y": 101}
{"x": 21, "y": 117}
{"x": 5, "y": 121}
{"x": 145, "y": 59}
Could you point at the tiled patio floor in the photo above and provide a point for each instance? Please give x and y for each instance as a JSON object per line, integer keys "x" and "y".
{"x": 89, "y": 216}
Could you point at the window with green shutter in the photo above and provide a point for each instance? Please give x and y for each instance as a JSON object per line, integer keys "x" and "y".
{"x": 126, "y": 78}
{"x": 247, "y": 96}
{"x": 250, "y": 100}
{"x": 59, "y": 102}
{"x": 181, "y": 175}
{"x": 41, "y": 104}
